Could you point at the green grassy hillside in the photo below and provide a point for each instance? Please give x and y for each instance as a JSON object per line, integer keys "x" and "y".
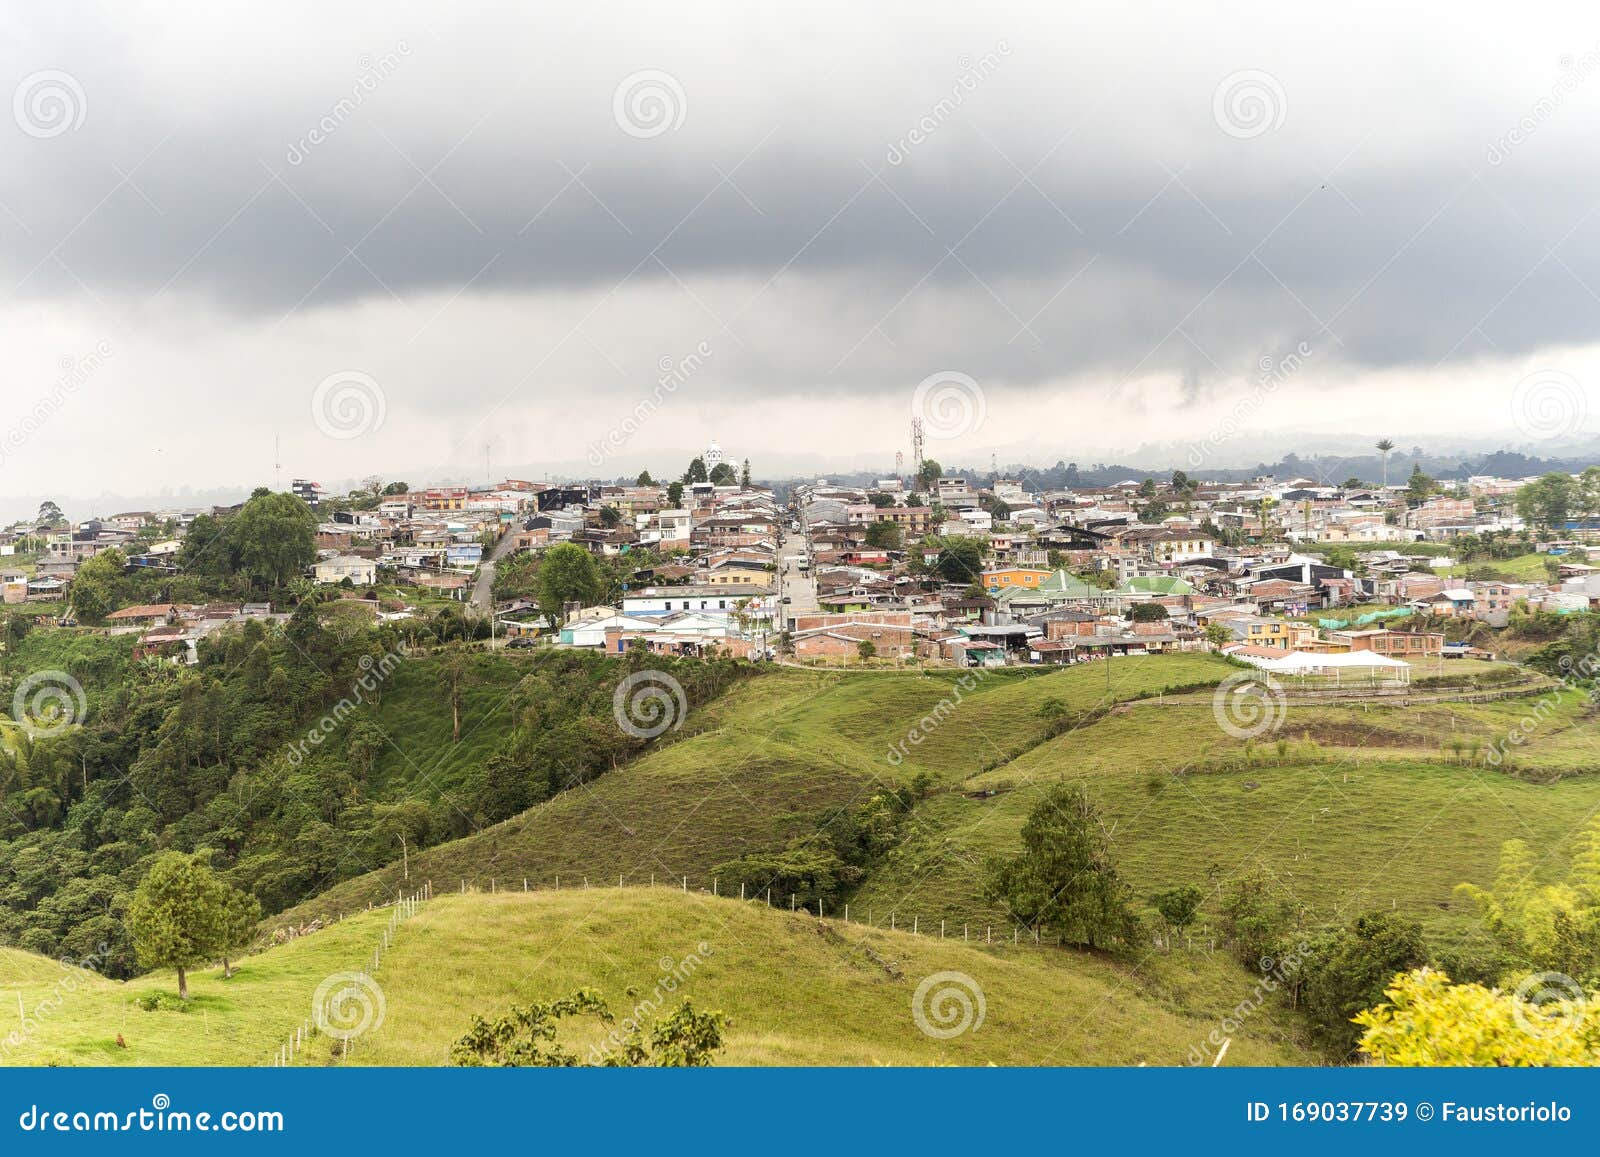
{"x": 798, "y": 990}
{"x": 772, "y": 753}
{"x": 1367, "y": 805}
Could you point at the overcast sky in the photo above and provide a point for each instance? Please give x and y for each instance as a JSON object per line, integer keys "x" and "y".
{"x": 398, "y": 237}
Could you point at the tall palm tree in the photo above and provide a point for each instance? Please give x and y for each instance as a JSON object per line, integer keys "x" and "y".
{"x": 1384, "y": 446}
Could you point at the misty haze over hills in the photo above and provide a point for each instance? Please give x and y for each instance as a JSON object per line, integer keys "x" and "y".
{"x": 1337, "y": 460}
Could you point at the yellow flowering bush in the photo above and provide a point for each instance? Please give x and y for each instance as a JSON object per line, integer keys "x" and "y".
{"x": 1426, "y": 1020}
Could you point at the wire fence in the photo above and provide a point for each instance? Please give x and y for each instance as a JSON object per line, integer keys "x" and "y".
{"x": 402, "y": 909}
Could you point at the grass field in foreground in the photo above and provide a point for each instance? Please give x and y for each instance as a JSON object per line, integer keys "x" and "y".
{"x": 799, "y": 990}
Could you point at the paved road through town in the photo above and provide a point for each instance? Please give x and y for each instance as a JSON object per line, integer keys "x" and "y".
{"x": 800, "y": 589}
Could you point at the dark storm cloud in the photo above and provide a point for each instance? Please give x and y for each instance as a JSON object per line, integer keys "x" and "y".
{"x": 1081, "y": 208}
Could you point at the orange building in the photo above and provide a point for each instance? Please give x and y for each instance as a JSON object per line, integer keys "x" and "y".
{"x": 1014, "y": 578}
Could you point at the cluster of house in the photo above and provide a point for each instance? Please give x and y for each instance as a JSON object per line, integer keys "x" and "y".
{"x": 843, "y": 572}
{"x": 1071, "y": 576}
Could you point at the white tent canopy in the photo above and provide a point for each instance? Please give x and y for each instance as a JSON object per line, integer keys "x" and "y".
{"x": 1339, "y": 666}
{"x": 1309, "y": 662}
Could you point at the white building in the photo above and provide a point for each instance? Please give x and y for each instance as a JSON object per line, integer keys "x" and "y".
{"x": 656, "y": 601}
{"x": 362, "y": 572}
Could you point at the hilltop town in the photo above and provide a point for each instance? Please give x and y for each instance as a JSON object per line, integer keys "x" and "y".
{"x": 1360, "y": 580}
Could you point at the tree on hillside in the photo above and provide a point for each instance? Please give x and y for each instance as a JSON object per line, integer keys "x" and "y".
{"x": 1255, "y": 916}
{"x": 675, "y": 495}
{"x": 526, "y": 1037}
{"x": 1147, "y": 613}
{"x": 1384, "y": 447}
{"x": 883, "y": 535}
{"x": 1548, "y": 502}
{"x": 177, "y": 917}
{"x": 274, "y": 536}
{"x": 1346, "y": 970}
{"x": 568, "y": 574}
{"x": 1218, "y": 635}
{"x": 240, "y": 913}
{"x": 696, "y": 471}
{"x": 644, "y": 479}
{"x": 722, "y": 474}
{"x": 94, "y": 588}
{"x": 1063, "y": 880}
{"x": 1420, "y": 485}
{"x": 1179, "y": 906}
{"x": 960, "y": 560}
{"x": 50, "y": 514}
{"x": 928, "y": 474}
{"x": 1553, "y": 926}
{"x": 459, "y": 672}
{"x": 744, "y": 474}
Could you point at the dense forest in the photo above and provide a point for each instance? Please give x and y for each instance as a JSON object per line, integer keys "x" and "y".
{"x": 296, "y": 753}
